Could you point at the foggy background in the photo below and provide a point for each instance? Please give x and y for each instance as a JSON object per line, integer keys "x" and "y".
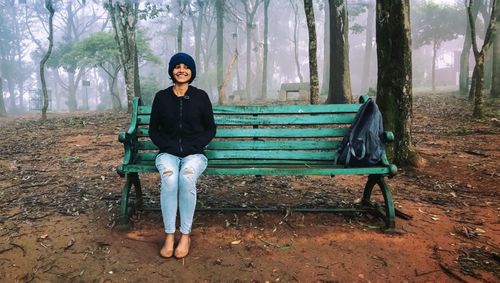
{"x": 23, "y": 40}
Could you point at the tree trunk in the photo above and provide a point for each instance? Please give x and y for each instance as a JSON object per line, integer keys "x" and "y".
{"x": 296, "y": 40}
{"x": 113, "y": 90}
{"x": 180, "y": 26}
{"x": 50, "y": 8}
{"x": 3, "y": 111}
{"x": 495, "y": 79}
{"x": 197, "y": 27}
{"x": 313, "y": 60}
{"x": 124, "y": 19}
{"x": 478, "y": 87}
{"x": 340, "y": 80}
{"x": 219, "y": 8}
{"x": 463, "y": 80}
{"x": 370, "y": 22}
{"x": 433, "y": 71}
{"x": 227, "y": 77}
{"x": 266, "y": 50}
{"x": 394, "y": 86}
{"x": 326, "y": 54}
{"x": 72, "y": 102}
{"x": 479, "y": 55}
{"x": 11, "y": 86}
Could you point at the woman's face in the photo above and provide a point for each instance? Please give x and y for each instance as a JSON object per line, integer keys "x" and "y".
{"x": 181, "y": 73}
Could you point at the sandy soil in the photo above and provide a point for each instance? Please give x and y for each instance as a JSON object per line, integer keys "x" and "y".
{"x": 59, "y": 199}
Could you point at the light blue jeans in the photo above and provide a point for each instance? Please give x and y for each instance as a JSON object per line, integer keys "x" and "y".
{"x": 178, "y": 188}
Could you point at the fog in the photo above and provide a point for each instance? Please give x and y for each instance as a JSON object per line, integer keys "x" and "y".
{"x": 23, "y": 41}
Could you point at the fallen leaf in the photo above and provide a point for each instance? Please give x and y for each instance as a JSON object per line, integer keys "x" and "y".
{"x": 237, "y": 242}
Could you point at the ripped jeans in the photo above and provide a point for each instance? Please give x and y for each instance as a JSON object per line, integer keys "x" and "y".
{"x": 178, "y": 188}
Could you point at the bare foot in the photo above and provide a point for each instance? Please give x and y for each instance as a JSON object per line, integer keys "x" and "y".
{"x": 182, "y": 249}
{"x": 168, "y": 247}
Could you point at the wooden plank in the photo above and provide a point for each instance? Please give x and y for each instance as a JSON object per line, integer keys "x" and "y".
{"x": 280, "y": 132}
{"x": 270, "y": 132}
{"x": 274, "y": 120}
{"x": 276, "y": 109}
{"x": 257, "y": 144}
{"x": 261, "y": 154}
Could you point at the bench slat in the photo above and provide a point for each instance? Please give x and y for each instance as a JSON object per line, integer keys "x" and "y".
{"x": 261, "y": 154}
{"x": 258, "y": 144}
{"x": 275, "y": 109}
{"x": 274, "y": 120}
{"x": 270, "y": 132}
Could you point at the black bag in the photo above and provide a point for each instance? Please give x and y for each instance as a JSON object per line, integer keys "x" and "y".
{"x": 363, "y": 144}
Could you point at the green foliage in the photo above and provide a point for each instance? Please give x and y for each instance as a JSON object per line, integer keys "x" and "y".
{"x": 58, "y": 58}
{"x": 149, "y": 87}
{"x": 434, "y": 24}
{"x": 100, "y": 49}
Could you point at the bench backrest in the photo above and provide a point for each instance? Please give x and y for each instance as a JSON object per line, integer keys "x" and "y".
{"x": 279, "y": 134}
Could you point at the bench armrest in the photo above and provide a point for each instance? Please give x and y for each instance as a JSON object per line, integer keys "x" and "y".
{"x": 129, "y": 138}
{"x": 388, "y": 137}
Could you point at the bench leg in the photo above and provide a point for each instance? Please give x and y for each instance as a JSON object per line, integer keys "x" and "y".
{"x": 389, "y": 215}
{"x": 132, "y": 179}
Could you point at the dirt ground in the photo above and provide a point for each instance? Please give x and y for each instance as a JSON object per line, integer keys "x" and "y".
{"x": 59, "y": 199}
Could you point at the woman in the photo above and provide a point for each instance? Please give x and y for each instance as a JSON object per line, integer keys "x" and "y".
{"x": 181, "y": 125}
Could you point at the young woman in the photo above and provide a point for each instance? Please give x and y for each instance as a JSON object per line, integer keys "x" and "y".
{"x": 181, "y": 125}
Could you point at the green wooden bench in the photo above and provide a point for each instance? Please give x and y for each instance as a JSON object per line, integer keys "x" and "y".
{"x": 263, "y": 140}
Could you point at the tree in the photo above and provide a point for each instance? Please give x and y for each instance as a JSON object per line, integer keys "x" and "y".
{"x": 101, "y": 50}
{"x": 495, "y": 84}
{"x": 266, "y": 49}
{"x": 313, "y": 61}
{"x": 124, "y": 19}
{"x": 3, "y": 112}
{"x": 463, "y": 80}
{"x": 219, "y": 9}
{"x": 50, "y": 8}
{"x": 394, "y": 87}
{"x": 339, "y": 90}
{"x": 180, "y": 26}
{"x": 370, "y": 22}
{"x": 250, "y": 11}
{"x": 435, "y": 24}
{"x": 477, "y": 86}
{"x": 295, "y": 39}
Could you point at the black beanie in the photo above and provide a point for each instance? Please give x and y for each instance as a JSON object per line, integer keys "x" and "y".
{"x": 184, "y": 58}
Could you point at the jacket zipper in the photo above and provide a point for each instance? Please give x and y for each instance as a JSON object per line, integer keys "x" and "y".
{"x": 180, "y": 124}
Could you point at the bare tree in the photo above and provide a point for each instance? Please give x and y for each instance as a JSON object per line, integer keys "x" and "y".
{"x": 463, "y": 80}
{"x": 3, "y": 112}
{"x": 266, "y": 49}
{"x": 477, "y": 86}
{"x": 370, "y": 22}
{"x": 295, "y": 39}
{"x": 250, "y": 11}
{"x": 313, "y": 60}
{"x": 50, "y": 8}
{"x": 394, "y": 87}
{"x": 219, "y": 8}
{"x": 495, "y": 84}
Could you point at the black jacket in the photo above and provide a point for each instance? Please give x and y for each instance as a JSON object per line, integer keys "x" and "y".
{"x": 182, "y": 125}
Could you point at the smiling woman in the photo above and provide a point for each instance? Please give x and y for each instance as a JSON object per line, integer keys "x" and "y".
{"x": 181, "y": 125}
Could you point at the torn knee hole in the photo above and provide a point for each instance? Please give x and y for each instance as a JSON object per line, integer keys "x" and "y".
{"x": 188, "y": 171}
{"x": 168, "y": 173}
